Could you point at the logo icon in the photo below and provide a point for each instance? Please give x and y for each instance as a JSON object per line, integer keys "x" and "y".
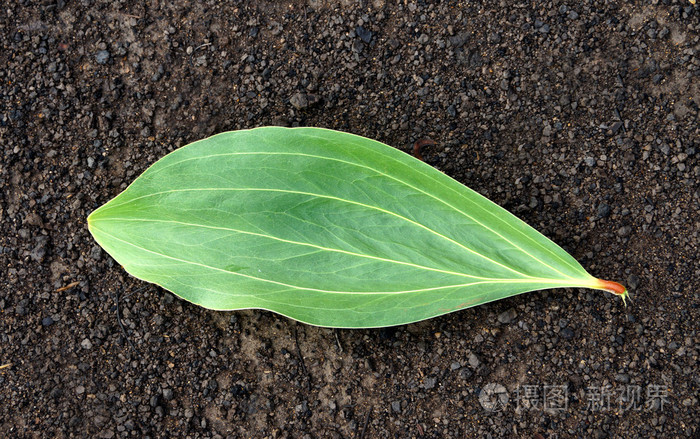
{"x": 493, "y": 397}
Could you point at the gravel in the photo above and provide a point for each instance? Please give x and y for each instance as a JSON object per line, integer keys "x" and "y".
{"x": 579, "y": 117}
{"x": 507, "y": 316}
{"x": 102, "y": 57}
{"x": 364, "y": 34}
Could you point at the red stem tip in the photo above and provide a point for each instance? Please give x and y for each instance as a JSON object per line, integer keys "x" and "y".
{"x": 613, "y": 287}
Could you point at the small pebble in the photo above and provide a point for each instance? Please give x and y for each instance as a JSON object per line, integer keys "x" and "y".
{"x": 364, "y": 34}
{"x": 633, "y": 281}
{"x": 474, "y": 361}
{"x": 452, "y": 111}
{"x": 299, "y": 101}
{"x": 624, "y": 231}
{"x": 622, "y": 378}
{"x": 102, "y": 57}
{"x": 567, "y": 333}
{"x": 507, "y": 316}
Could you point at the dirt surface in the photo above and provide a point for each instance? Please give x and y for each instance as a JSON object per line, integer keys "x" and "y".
{"x": 580, "y": 117}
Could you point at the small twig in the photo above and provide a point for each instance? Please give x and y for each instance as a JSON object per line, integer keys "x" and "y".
{"x": 196, "y": 49}
{"x": 67, "y": 287}
{"x": 121, "y": 325}
{"x": 301, "y": 358}
{"x": 364, "y": 425}
{"x": 200, "y": 46}
{"x": 337, "y": 341}
{"x": 5, "y": 365}
{"x": 418, "y": 145}
{"x": 134, "y": 292}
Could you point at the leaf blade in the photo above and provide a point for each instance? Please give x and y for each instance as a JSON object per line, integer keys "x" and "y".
{"x": 353, "y": 217}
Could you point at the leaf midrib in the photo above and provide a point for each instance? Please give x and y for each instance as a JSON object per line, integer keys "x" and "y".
{"x": 330, "y": 197}
{"x": 306, "y": 244}
{"x": 535, "y": 281}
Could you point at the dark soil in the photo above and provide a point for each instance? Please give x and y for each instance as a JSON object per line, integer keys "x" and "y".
{"x": 580, "y": 117}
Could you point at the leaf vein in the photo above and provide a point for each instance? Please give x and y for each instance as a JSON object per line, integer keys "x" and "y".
{"x": 428, "y": 229}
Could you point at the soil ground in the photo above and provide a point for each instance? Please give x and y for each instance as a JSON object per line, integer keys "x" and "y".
{"x": 581, "y": 117}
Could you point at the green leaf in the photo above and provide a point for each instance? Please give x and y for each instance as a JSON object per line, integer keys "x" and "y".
{"x": 324, "y": 227}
